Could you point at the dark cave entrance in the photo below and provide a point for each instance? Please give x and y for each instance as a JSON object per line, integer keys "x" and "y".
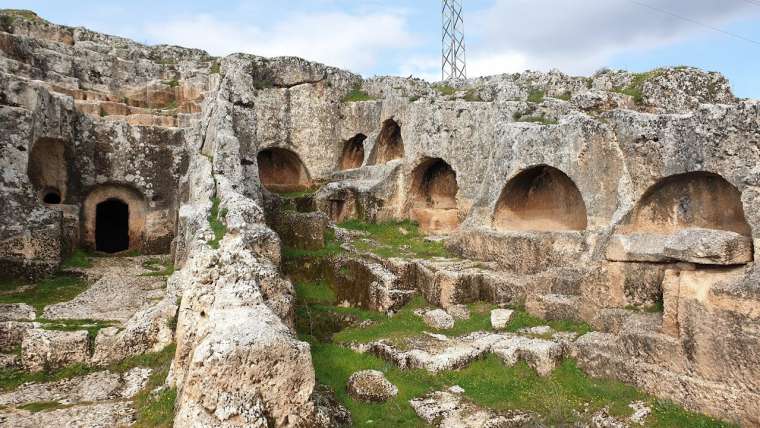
{"x": 112, "y": 226}
{"x": 51, "y": 197}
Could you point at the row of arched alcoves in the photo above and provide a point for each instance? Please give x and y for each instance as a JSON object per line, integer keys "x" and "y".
{"x": 539, "y": 198}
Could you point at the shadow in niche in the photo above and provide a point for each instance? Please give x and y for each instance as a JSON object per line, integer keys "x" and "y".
{"x": 112, "y": 226}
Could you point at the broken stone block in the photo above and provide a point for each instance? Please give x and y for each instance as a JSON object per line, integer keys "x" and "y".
{"x": 438, "y": 319}
{"x": 46, "y": 349}
{"x": 17, "y": 312}
{"x": 542, "y": 355}
{"x": 637, "y": 247}
{"x": 500, "y": 318}
{"x": 12, "y": 333}
{"x": 451, "y": 409}
{"x": 371, "y": 385}
{"x": 709, "y": 247}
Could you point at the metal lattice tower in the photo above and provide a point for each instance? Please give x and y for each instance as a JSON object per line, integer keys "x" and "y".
{"x": 453, "y": 65}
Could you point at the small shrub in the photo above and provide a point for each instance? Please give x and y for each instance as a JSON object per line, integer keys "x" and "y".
{"x": 414, "y": 98}
{"x": 215, "y": 68}
{"x": 445, "y": 89}
{"x": 536, "y": 95}
{"x": 472, "y": 96}
{"x": 540, "y": 119}
{"x": 566, "y": 96}
{"x": 357, "y": 94}
{"x": 263, "y": 84}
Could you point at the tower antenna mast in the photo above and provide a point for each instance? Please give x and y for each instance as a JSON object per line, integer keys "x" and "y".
{"x": 453, "y": 64}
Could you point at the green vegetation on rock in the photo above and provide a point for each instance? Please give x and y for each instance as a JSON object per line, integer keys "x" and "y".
{"x": 357, "y": 94}
{"x": 56, "y": 289}
{"x": 216, "y": 222}
{"x": 78, "y": 259}
{"x": 395, "y": 239}
{"x": 636, "y": 88}
{"x": 445, "y": 89}
{"x": 536, "y": 95}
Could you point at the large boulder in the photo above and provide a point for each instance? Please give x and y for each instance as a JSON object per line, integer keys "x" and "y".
{"x": 17, "y": 312}
{"x": 371, "y": 385}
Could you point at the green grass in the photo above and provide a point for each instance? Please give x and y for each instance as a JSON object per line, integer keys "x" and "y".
{"x": 11, "y": 378}
{"x": 522, "y": 319}
{"x": 357, "y": 94}
{"x": 157, "y": 267}
{"x": 41, "y": 406}
{"x": 487, "y": 382}
{"x": 395, "y": 239}
{"x": 171, "y": 83}
{"x": 78, "y": 259}
{"x": 216, "y": 222}
{"x": 331, "y": 248}
{"x": 636, "y": 88}
{"x": 155, "y": 410}
{"x": 215, "y": 68}
{"x": 536, "y": 95}
{"x": 445, "y": 90}
{"x": 56, "y": 289}
{"x": 472, "y": 96}
{"x": 566, "y": 96}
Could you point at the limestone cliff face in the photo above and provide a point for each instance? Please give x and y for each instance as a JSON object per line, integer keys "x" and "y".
{"x": 542, "y": 173}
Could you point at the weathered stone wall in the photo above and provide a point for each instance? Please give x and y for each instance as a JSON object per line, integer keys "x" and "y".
{"x": 180, "y": 128}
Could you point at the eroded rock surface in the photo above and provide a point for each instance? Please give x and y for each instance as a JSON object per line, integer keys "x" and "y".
{"x": 370, "y": 385}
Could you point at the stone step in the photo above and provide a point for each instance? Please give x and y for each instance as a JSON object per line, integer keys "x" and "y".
{"x": 554, "y": 307}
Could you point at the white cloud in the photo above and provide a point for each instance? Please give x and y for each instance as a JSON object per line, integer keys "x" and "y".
{"x": 355, "y": 42}
{"x": 579, "y": 36}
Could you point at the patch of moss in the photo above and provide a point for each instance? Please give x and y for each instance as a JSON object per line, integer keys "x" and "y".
{"x": 472, "y": 96}
{"x": 395, "y": 239}
{"x": 636, "y": 88}
{"x": 41, "y": 406}
{"x": 357, "y": 94}
{"x": 445, "y": 89}
{"x": 157, "y": 267}
{"x": 216, "y": 222}
{"x": 331, "y": 248}
{"x": 78, "y": 259}
{"x": 540, "y": 119}
{"x": 56, "y": 289}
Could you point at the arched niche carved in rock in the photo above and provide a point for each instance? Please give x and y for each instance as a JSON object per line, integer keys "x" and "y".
{"x": 389, "y": 145}
{"x": 433, "y": 196}
{"x": 281, "y": 171}
{"x": 541, "y": 198}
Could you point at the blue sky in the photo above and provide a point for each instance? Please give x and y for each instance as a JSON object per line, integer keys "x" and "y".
{"x": 374, "y": 37}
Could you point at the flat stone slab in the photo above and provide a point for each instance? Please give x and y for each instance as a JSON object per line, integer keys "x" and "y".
{"x": 434, "y": 355}
{"x": 500, "y": 318}
{"x": 99, "y": 386}
{"x": 450, "y": 409}
{"x": 17, "y": 312}
{"x": 119, "y": 291}
{"x": 709, "y": 247}
{"x": 100, "y": 415}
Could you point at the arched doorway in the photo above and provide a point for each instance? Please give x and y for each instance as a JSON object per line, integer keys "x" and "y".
{"x": 541, "y": 198}
{"x": 353, "y": 153}
{"x": 112, "y": 226}
{"x": 114, "y": 219}
{"x": 434, "y": 196}
{"x": 389, "y": 144}
{"x": 692, "y": 200}
{"x": 282, "y": 171}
